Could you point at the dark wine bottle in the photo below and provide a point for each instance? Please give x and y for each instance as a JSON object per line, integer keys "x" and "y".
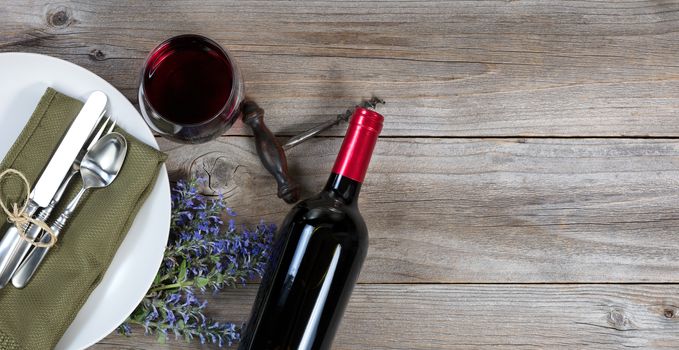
{"x": 317, "y": 255}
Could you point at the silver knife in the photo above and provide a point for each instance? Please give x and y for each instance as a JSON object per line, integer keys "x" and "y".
{"x": 12, "y": 247}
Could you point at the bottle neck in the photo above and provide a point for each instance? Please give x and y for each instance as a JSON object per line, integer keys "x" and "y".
{"x": 354, "y": 155}
{"x": 357, "y": 148}
{"x": 343, "y": 188}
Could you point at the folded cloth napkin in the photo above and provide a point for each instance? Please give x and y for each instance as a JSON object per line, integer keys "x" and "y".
{"x": 37, "y": 316}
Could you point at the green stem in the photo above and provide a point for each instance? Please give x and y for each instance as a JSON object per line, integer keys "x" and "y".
{"x": 171, "y": 286}
{"x": 129, "y": 320}
{"x": 162, "y": 279}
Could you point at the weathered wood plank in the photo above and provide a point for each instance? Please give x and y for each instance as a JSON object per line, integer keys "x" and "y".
{"x": 447, "y": 68}
{"x": 481, "y": 317}
{"x": 444, "y": 210}
{"x": 485, "y": 210}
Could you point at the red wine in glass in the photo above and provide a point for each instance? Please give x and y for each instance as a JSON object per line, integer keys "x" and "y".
{"x": 190, "y": 89}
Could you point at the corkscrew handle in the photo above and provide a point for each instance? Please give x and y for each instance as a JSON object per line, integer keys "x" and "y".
{"x": 270, "y": 152}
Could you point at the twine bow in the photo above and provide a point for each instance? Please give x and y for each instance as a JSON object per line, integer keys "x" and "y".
{"x": 20, "y": 219}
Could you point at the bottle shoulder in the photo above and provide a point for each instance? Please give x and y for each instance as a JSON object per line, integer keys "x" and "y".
{"x": 324, "y": 205}
{"x": 324, "y": 210}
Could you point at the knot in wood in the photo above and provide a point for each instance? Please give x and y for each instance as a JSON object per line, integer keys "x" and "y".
{"x": 59, "y": 17}
{"x": 97, "y": 55}
{"x": 669, "y": 313}
{"x": 222, "y": 172}
{"x": 618, "y": 320}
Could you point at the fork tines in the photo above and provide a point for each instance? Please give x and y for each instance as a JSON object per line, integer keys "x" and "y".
{"x": 106, "y": 126}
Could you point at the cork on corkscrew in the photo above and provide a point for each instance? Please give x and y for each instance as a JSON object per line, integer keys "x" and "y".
{"x": 270, "y": 152}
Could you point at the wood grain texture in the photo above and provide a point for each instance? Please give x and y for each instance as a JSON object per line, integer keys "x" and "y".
{"x": 482, "y": 317}
{"x": 446, "y": 68}
{"x": 454, "y": 194}
{"x": 484, "y": 210}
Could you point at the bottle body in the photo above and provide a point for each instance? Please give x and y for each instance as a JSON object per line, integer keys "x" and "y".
{"x": 316, "y": 262}
{"x": 317, "y": 255}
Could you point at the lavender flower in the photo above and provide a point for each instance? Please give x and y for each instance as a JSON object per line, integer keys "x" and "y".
{"x": 203, "y": 254}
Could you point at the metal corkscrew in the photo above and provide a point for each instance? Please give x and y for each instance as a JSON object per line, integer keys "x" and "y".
{"x": 272, "y": 154}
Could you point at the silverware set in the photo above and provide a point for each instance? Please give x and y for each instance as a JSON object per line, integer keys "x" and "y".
{"x": 90, "y": 148}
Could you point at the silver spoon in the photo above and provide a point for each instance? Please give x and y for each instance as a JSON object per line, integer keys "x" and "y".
{"x": 98, "y": 169}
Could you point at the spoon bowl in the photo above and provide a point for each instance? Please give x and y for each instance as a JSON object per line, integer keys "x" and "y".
{"x": 103, "y": 162}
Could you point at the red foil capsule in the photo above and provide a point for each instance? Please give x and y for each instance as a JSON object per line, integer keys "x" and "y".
{"x": 354, "y": 156}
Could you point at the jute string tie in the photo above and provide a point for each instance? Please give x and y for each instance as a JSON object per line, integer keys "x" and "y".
{"x": 21, "y": 219}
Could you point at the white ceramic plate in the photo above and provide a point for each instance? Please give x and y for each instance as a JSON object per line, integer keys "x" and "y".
{"x": 23, "y": 79}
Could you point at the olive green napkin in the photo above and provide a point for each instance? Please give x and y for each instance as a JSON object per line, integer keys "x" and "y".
{"x": 37, "y": 316}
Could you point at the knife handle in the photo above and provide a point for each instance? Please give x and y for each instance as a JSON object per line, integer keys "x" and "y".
{"x": 28, "y": 267}
{"x": 13, "y": 248}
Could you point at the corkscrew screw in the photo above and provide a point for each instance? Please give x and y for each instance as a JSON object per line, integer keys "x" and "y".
{"x": 272, "y": 154}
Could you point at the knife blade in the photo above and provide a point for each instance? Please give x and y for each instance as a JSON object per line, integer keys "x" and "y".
{"x": 12, "y": 248}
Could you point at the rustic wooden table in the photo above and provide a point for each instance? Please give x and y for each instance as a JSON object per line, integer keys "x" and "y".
{"x": 525, "y": 192}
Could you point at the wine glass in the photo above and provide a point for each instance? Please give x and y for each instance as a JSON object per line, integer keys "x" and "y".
{"x": 190, "y": 89}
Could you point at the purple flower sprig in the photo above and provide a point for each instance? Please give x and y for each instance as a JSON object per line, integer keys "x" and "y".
{"x": 203, "y": 253}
